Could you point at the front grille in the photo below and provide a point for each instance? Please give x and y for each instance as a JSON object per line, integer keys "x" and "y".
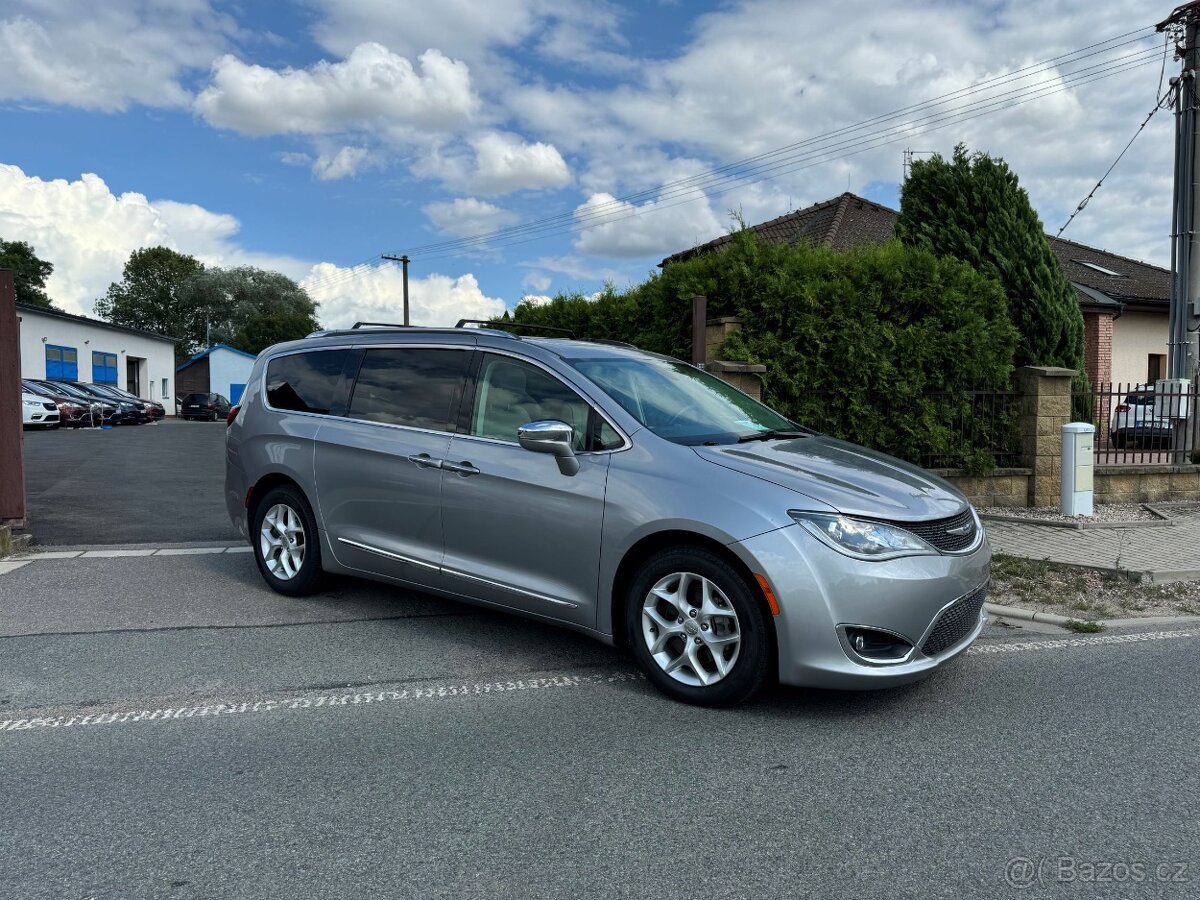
{"x": 955, "y": 622}
{"x": 937, "y": 533}
{"x": 49, "y": 406}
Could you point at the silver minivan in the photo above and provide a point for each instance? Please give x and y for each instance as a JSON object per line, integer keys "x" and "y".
{"x": 625, "y": 495}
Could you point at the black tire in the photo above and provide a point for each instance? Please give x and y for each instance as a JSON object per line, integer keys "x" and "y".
{"x": 1119, "y": 440}
{"x": 753, "y": 666}
{"x": 310, "y": 577}
{"x": 212, "y": 417}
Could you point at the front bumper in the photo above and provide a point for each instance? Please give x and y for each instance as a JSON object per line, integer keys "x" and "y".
{"x": 820, "y": 591}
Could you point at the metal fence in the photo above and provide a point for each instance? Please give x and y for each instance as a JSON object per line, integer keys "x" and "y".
{"x": 1136, "y": 425}
{"x": 972, "y": 430}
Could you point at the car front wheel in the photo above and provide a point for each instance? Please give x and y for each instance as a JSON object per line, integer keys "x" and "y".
{"x": 286, "y": 546}
{"x": 696, "y": 628}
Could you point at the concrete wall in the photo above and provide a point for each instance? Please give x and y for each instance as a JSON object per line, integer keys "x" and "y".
{"x": 155, "y": 356}
{"x": 1136, "y": 335}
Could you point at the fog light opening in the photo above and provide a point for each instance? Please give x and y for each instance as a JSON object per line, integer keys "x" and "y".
{"x": 877, "y": 645}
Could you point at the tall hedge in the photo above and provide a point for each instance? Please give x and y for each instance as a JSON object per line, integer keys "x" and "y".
{"x": 973, "y": 208}
{"x": 878, "y": 345}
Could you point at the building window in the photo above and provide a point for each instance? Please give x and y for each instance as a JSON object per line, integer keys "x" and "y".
{"x": 164, "y": 389}
{"x": 104, "y": 368}
{"x": 1156, "y": 368}
{"x": 62, "y": 363}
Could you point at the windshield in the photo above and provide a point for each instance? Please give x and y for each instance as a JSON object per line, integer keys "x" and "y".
{"x": 679, "y": 402}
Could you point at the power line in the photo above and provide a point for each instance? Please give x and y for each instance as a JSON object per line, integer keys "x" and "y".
{"x": 818, "y": 144}
{"x": 783, "y": 160}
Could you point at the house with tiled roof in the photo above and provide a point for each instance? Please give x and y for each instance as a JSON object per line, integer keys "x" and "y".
{"x": 1125, "y": 302}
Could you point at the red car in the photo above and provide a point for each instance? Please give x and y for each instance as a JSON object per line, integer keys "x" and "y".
{"x": 72, "y": 412}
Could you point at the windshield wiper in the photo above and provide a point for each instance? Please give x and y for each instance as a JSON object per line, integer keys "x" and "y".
{"x": 773, "y": 434}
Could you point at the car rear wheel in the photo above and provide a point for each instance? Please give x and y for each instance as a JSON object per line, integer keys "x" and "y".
{"x": 697, "y": 629}
{"x": 286, "y": 546}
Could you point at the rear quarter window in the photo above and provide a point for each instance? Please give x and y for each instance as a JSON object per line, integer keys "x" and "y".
{"x": 305, "y": 382}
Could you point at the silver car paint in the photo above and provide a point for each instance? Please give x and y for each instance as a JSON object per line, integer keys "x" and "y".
{"x": 522, "y": 536}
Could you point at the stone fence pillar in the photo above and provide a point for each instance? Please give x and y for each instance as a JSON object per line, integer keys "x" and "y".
{"x": 746, "y": 377}
{"x": 1045, "y": 409}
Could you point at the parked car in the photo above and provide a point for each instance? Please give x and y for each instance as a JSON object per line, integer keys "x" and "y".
{"x": 102, "y": 412}
{"x": 152, "y": 409}
{"x": 129, "y": 412}
{"x": 1134, "y": 421}
{"x": 626, "y": 495}
{"x": 38, "y": 411}
{"x": 72, "y": 412}
{"x": 210, "y": 407}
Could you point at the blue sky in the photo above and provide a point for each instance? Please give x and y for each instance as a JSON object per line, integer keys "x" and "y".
{"x": 313, "y": 136}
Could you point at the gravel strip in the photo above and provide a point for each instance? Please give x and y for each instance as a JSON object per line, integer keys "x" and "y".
{"x": 1107, "y": 512}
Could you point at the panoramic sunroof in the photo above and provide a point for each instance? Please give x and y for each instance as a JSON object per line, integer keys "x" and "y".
{"x": 1100, "y": 269}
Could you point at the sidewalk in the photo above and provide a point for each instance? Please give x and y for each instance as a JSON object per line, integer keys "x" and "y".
{"x": 1157, "y": 554}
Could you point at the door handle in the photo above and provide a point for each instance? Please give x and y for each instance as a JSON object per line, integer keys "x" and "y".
{"x": 463, "y": 468}
{"x": 425, "y": 461}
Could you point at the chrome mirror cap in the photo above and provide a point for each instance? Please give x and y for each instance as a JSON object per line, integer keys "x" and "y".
{"x": 551, "y": 436}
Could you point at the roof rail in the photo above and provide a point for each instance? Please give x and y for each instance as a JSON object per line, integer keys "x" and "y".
{"x": 613, "y": 343}
{"x": 380, "y": 325}
{"x": 483, "y": 323}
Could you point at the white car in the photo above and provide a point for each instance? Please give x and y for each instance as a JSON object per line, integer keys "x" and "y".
{"x": 38, "y": 411}
{"x": 1134, "y": 421}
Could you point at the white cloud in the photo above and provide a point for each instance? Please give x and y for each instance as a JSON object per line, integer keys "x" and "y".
{"x": 88, "y": 232}
{"x": 467, "y": 216}
{"x": 371, "y": 88}
{"x": 294, "y": 158}
{"x": 375, "y": 294}
{"x": 535, "y": 299}
{"x": 617, "y": 229}
{"x": 505, "y": 163}
{"x": 345, "y": 163}
{"x": 106, "y": 56}
{"x": 537, "y": 281}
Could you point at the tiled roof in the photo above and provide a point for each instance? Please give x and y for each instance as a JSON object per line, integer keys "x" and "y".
{"x": 852, "y": 221}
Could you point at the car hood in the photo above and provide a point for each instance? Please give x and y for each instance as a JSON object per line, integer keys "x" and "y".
{"x": 851, "y": 479}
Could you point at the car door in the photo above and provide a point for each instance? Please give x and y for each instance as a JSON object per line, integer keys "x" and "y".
{"x": 517, "y": 531}
{"x": 378, "y": 469}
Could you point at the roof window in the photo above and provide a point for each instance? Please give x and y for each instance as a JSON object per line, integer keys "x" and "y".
{"x": 1100, "y": 269}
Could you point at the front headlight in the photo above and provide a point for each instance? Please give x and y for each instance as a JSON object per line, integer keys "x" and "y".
{"x": 861, "y": 538}
{"x": 33, "y": 403}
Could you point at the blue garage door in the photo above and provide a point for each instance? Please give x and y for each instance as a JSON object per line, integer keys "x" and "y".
{"x": 62, "y": 363}
{"x": 104, "y": 368}
{"x": 235, "y": 393}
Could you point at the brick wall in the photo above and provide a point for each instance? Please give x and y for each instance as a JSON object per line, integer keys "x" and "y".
{"x": 1097, "y": 350}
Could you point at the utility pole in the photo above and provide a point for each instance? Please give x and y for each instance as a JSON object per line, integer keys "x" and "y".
{"x": 403, "y": 260}
{"x": 1182, "y": 27}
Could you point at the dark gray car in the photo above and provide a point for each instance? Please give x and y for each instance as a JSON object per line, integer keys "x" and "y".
{"x": 625, "y": 495}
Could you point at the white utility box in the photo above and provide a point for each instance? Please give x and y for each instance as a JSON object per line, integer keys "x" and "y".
{"x": 1171, "y": 398}
{"x": 1078, "y": 468}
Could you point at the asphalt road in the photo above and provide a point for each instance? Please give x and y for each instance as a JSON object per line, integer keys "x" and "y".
{"x": 182, "y": 732}
{"x": 129, "y": 485}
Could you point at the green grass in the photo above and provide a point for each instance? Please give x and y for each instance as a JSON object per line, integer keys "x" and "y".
{"x": 1085, "y": 627}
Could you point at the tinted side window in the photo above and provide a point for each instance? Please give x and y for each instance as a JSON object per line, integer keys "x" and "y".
{"x": 416, "y": 387}
{"x": 305, "y": 382}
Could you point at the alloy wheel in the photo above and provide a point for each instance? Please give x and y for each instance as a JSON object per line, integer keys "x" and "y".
{"x": 691, "y": 629}
{"x": 282, "y": 542}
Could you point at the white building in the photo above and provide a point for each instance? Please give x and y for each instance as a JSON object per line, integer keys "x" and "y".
{"x": 220, "y": 369}
{"x": 65, "y": 347}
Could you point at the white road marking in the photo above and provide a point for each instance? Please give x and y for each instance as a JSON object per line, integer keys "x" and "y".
{"x": 434, "y": 691}
{"x": 51, "y": 717}
{"x": 1093, "y": 640}
{"x": 57, "y": 554}
{"x": 188, "y": 551}
{"x": 12, "y": 566}
{"x": 239, "y": 549}
{"x": 106, "y": 554}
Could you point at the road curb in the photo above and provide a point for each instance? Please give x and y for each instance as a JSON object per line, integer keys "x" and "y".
{"x": 1029, "y": 615}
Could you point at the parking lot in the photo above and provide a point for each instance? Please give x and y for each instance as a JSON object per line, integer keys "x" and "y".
{"x": 171, "y": 727}
{"x": 140, "y": 484}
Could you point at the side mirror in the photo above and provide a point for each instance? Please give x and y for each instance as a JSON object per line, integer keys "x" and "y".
{"x": 551, "y": 436}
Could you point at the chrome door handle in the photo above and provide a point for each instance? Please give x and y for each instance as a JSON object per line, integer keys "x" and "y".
{"x": 425, "y": 461}
{"x": 462, "y": 468}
